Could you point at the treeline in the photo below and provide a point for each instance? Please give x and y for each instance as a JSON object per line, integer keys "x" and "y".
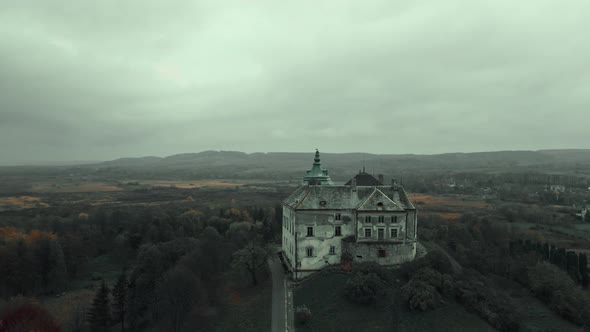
{"x": 575, "y": 264}
{"x": 506, "y": 186}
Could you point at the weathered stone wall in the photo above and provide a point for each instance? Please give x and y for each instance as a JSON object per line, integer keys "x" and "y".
{"x": 289, "y": 228}
{"x": 395, "y": 253}
{"x": 323, "y": 223}
{"x": 412, "y": 224}
{"x": 375, "y": 225}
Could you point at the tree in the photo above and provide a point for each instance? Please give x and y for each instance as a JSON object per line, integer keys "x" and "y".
{"x": 99, "y": 314}
{"x": 251, "y": 258}
{"x": 120, "y": 300}
{"x": 583, "y": 265}
{"x": 365, "y": 288}
{"x": 177, "y": 293}
{"x": 420, "y": 295}
{"x": 50, "y": 263}
{"x": 572, "y": 265}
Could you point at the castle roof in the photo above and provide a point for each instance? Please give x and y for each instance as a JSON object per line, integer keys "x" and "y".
{"x": 383, "y": 198}
{"x": 364, "y": 179}
{"x": 317, "y": 175}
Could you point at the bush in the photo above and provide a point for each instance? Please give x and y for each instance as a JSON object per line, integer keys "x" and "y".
{"x": 372, "y": 267}
{"x": 429, "y": 276}
{"x": 365, "y": 288}
{"x": 302, "y": 315}
{"x": 420, "y": 295}
{"x": 435, "y": 260}
{"x": 554, "y": 287}
{"x": 495, "y": 308}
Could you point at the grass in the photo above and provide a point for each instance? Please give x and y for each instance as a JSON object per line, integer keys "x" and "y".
{"x": 331, "y": 311}
{"x": 450, "y": 317}
{"x": 536, "y": 315}
{"x": 323, "y": 295}
{"x": 247, "y": 308}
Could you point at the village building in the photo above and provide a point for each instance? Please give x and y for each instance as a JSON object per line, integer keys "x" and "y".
{"x": 363, "y": 220}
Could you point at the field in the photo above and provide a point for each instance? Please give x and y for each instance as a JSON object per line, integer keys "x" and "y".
{"x": 21, "y": 202}
{"x": 448, "y": 201}
{"x": 187, "y": 184}
{"x": 74, "y": 187}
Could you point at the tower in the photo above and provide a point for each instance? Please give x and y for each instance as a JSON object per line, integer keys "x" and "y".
{"x": 317, "y": 175}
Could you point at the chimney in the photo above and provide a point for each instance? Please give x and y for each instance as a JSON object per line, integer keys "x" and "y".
{"x": 353, "y": 184}
{"x": 380, "y": 177}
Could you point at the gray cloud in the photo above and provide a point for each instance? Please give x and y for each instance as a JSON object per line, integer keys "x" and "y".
{"x": 105, "y": 79}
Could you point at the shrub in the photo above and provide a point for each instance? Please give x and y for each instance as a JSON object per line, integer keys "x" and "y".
{"x": 429, "y": 276}
{"x": 302, "y": 315}
{"x": 420, "y": 295}
{"x": 495, "y": 308}
{"x": 365, "y": 288}
{"x": 435, "y": 260}
{"x": 372, "y": 267}
{"x": 554, "y": 287}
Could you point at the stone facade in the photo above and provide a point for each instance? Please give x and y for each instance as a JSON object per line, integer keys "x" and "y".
{"x": 323, "y": 221}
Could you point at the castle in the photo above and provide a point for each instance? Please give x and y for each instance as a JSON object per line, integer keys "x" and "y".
{"x": 362, "y": 220}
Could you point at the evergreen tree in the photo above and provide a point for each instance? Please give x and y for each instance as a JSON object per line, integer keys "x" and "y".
{"x": 572, "y": 265}
{"x": 554, "y": 255}
{"x": 99, "y": 314}
{"x": 583, "y": 265}
{"x": 546, "y": 251}
{"x": 562, "y": 261}
{"x": 120, "y": 300}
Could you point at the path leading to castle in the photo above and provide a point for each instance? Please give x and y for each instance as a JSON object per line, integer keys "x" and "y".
{"x": 282, "y": 298}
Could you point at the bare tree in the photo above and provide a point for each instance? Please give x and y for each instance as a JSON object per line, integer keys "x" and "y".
{"x": 251, "y": 258}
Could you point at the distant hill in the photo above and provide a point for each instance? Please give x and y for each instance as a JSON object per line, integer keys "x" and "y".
{"x": 232, "y": 164}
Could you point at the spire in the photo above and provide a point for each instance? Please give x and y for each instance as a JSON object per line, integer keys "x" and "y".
{"x": 317, "y": 175}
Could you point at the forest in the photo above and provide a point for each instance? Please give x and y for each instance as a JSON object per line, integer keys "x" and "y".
{"x": 175, "y": 264}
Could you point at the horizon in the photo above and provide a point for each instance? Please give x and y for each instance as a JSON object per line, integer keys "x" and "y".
{"x": 52, "y": 163}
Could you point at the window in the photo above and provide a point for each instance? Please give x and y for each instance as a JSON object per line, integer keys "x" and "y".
{"x": 323, "y": 203}
{"x": 367, "y": 218}
{"x": 381, "y": 219}
{"x": 338, "y": 231}
{"x": 381, "y": 253}
{"x": 393, "y": 218}
{"x": 309, "y": 251}
{"x": 338, "y": 216}
{"x": 393, "y": 232}
{"x": 381, "y": 233}
{"x": 380, "y": 204}
{"x": 332, "y": 250}
{"x": 367, "y": 232}
{"x": 309, "y": 231}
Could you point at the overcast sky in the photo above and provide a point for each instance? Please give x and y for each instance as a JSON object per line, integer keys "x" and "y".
{"x": 97, "y": 80}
